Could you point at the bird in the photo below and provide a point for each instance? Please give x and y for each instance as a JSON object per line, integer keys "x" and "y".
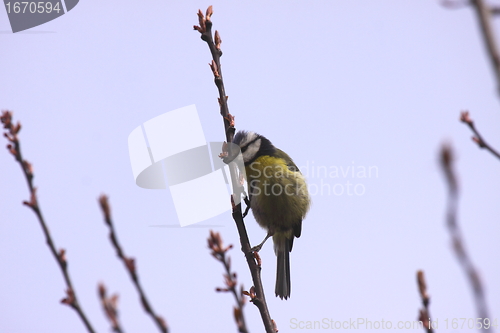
{"x": 278, "y": 197}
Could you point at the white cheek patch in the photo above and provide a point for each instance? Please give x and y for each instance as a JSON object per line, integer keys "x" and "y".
{"x": 251, "y": 151}
{"x": 248, "y": 138}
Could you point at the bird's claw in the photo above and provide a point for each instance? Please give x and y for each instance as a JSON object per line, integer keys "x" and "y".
{"x": 257, "y": 248}
{"x": 247, "y": 208}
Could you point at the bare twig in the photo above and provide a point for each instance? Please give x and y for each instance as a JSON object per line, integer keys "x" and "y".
{"x": 478, "y": 138}
{"x": 484, "y": 13}
{"x": 484, "y": 16}
{"x": 14, "y": 148}
{"x": 424, "y": 315}
{"x": 214, "y": 42}
{"x": 109, "y": 305}
{"x": 447, "y": 160}
{"x": 129, "y": 265}
{"x": 230, "y": 280}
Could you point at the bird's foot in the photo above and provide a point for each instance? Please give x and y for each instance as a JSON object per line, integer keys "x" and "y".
{"x": 257, "y": 248}
{"x": 247, "y": 203}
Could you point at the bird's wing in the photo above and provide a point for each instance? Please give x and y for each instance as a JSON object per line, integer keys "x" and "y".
{"x": 297, "y": 228}
{"x": 289, "y": 162}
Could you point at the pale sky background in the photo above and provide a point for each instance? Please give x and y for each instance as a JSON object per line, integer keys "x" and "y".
{"x": 333, "y": 83}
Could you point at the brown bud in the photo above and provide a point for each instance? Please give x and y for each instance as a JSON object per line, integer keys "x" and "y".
{"x": 275, "y": 326}
{"x": 217, "y": 40}
{"x": 70, "y": 298}
{"x": 113, "y": 301}
{"x": 257, "y": 258}
{"x": 103, "y": 201}
{"x": 237, "y": 316}
{"x": 28, "y": 167}
{"x": 33, "y": 202}
{"x": 225, "y": 150}
{"x": 213, "y": 66}
{"x": 13, "y": 152}
{"x": 424, "y": 318}
{"x": 446, "y": 155}
{"x": 130, "y": 263}
{"x": 6, "y": 119}
{"x": 250, "y": 293}
{"x": 102, "y": 290}
{"x": 15, "y": 129}
{"x": 209, "y": 13}
{"x": 479, "y": 142}
{"x": 465, "y": 118}
{"x": 202, "y": 28}
{"x": 230, "y": 119}
{"x": 162, "y": 322}
{"x": 9, "y": 137}
{"x": 422, "y": 287}
{"x": 62, "y": 255}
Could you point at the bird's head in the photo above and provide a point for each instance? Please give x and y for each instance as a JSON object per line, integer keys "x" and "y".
{"x": 251, "y": 145}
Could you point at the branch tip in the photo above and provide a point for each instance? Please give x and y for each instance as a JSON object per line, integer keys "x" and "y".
{"x": 209, "y": 12}
{"x": 104, "y": 203}
{"x": 477, "y": 138}
{"x": 14, "y": 148}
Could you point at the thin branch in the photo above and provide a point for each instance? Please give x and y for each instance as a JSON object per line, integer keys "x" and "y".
{"x": 219, "y": 253}
{"x": 205, "y": 28}
{"x": 15, "y": 149}
{"x": 484, "y": 16}
{"x": 110, "y": 307}
{"x": 424, "y": 315}
{"x": 478, "y": 138}
{"x": 470, "y": 271}
{"x": 484, "y": 13}
{"x": 129, "y": 265}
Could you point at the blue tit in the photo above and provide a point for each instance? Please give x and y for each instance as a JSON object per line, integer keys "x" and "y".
{"x": 278, "y": 197}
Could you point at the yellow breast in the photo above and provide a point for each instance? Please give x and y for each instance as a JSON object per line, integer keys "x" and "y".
{"x": 279, "y": 196}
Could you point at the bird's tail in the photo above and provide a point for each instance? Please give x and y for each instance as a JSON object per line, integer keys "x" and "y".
{"x": 282, "y": 248}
